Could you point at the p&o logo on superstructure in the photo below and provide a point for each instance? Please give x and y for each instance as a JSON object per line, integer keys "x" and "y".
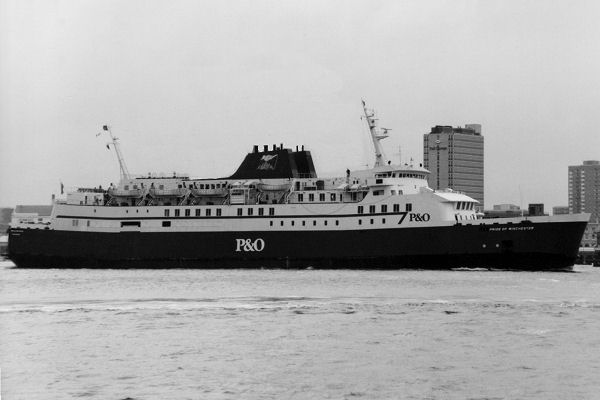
{"x": 249, "y": 245}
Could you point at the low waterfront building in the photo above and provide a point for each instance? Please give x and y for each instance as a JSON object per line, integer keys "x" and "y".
{"x": 559, "y": 210}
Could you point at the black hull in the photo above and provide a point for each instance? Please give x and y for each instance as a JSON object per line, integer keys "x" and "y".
{"x": 527, "y": 246}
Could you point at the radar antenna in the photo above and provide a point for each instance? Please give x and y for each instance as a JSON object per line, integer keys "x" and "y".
{"x": 115, "y": 144}
{"x": 377, "y": 135}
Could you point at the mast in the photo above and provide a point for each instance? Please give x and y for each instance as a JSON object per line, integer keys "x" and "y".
{"x": 115, "y": 143}
{"x": 376, "y": 135}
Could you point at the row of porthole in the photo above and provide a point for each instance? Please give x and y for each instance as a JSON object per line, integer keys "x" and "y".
{"x": 485, "y": 245}
{"x": 325, "y": 222}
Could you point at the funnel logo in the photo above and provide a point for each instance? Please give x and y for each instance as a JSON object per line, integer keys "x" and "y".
{"x": 267, "y": 162}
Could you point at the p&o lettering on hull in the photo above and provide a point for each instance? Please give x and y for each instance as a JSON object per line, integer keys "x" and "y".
{"x": 414, "y": 217}
{"x": 248, "y": 245}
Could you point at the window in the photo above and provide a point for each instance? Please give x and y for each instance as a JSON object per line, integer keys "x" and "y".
{"x": 300, "y": 197}
{"x": 166, "y": 213}
{"x": 250, "y": 211}
{"x": 131, "y": 223}
{"x": 314, "y": 223}
{"x": 218, "y": 212}
{"x": 325, "y": 222}
{"x": 371, "y": 221}
{"x": 261, "y": 211}
{"x": 208, "y": 212}
{"x": 281, "y": 223}
{"x": 311, "y": 197}
{"x": 332, "y": 197}
{"x": 239, "y": 212}
{"x": 360, "y": 209}
{"x": 408, "y": 207}
{"x": 198, "y": 212}
{"x": 383, "y": 220}
{"x": 303, "y": 223}
{"x": 293, "y": 222}
{"x": 177, "y": 212}
{"x": 377, "y": 192}
{"x": 371, "y": 209}
{"x": 166, "y": 224}
{"x": 187, "y": 212}
{"x": 271, "y": 223}
{"x": 337, "y": 222}
{"x": 271, "y": 211}
{"x": 360, "y": 221}
{"x": 384, "y": 208}
{"x": 396, "y": 207}
{"x": 88, "y": 222}
{"x": 321, "y": 196}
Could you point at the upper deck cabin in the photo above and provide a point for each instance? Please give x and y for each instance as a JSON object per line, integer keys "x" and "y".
{"x": 276, "y": 176}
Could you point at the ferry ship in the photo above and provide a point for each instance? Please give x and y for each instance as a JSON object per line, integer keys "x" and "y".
{"x": 274, "y": 211}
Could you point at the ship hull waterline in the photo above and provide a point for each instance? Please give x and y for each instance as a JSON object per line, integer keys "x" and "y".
{"x": 525, "y": 246}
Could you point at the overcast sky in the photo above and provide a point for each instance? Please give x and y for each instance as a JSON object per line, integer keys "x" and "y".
{"x": 190, "y": 86}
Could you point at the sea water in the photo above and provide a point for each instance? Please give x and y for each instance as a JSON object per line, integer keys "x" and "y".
{"x": 299, "y": 334}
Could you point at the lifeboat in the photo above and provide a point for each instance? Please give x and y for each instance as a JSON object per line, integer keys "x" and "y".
{"x": 179, "y": 192}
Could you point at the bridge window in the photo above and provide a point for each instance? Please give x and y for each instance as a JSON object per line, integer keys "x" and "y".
{"x": 371, "y": 209}
{"x": 239, "y": 212}
{"x": 177, "y": 212}
{"x": 166, "y": 212}
{"x": 378, "y": 193}
{"x": 311, "y": 197}
{"x": 208, "y": 212}
{"x": 332, "y": 197}
{"x": 360, "y": 209}
{"x": 271, "y": 211}
{"x": 187, "y": 212}
{"x": 408, "y": 207}
{"x": 250, "y": 211}
{"x": 218, "y": 212}
{"x": 384, "y": 208}
{"x": 261, "y": 211}
{"x": 396, "y": 207}
{"x": 198, "y": 212}
{"x": 300, "y": 197}
{"x": 321, "y": 196}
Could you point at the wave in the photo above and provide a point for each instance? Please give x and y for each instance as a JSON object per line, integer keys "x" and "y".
{"x": 294, "y": 304}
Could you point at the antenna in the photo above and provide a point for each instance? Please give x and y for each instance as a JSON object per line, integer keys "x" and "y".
{"x": 376, "y": 135}
{"x": 399, "y": 155}
{"x": 115, "y": 143}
